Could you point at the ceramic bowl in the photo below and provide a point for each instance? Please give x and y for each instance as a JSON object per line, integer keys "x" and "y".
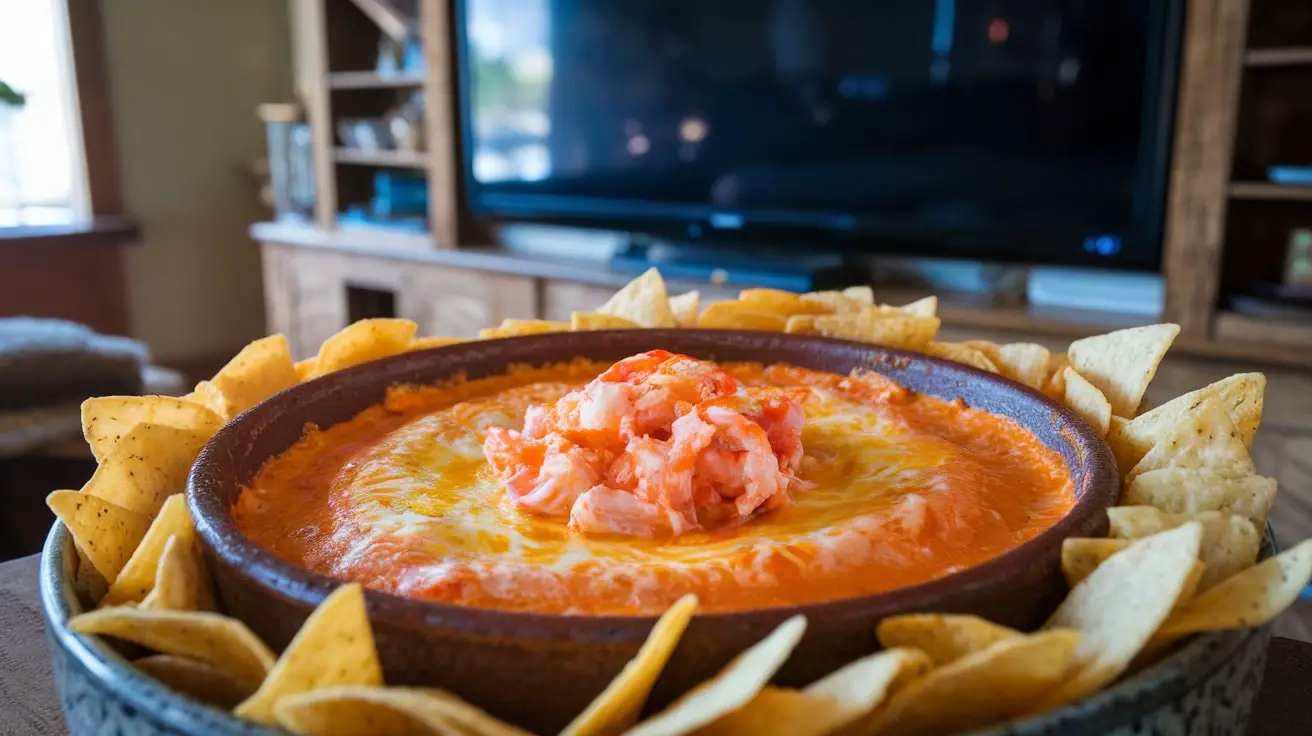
{"x": 538, "y": 670}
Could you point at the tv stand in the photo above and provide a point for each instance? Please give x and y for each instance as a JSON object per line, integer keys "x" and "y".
{"x": 737, "y": 265}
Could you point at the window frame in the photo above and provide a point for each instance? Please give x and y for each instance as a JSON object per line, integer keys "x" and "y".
{"x": 75, "y": 271}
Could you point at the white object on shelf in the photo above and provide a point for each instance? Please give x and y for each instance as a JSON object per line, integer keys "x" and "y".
{"x": 1097, "y": 290}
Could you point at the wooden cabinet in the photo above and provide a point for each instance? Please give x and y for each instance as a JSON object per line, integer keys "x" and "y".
{"x": 457, "y": 302}
{"x": 310, "y": 293}
{"x": 560, "y": 298}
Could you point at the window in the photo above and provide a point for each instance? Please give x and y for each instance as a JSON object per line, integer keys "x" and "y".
{"x": 42, "y": 170}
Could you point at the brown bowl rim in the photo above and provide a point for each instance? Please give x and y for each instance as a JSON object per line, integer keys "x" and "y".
{"x": 218, "y": 531}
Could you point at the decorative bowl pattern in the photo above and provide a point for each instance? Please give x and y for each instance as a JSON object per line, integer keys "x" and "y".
{"x": 1207, "y": 688}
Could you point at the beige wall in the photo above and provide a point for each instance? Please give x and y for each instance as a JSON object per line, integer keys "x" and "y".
{"x": 185, "y": 78}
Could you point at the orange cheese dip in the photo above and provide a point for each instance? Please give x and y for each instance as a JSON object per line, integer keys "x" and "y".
{"x": 895, "y": 488}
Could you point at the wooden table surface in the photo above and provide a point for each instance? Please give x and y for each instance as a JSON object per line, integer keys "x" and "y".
{"x": 29, "y": 705}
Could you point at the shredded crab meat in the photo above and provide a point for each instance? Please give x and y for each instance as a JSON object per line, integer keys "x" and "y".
{"x": 658, "y": 445}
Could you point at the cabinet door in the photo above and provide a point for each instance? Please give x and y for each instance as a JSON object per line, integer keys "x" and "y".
{"x": 456, "y": 302}
{"x": 304, "y": 295}
{"x": 560, "y": 298}
{"x": 311, "y": 294}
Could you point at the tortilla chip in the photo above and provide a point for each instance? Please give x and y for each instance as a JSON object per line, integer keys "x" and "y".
{"x": 617, "y": 707}
{"x": 149, "y": 464}
{"x": 217, "y": 640}
{"x": 1191, "y": 490}
{"x": 580, "y": 321}
{"x": 106, "y": 419}
{"x": 801, "y": 324}
{"x": 991, "y": 686}
{"x": 1025, "y": 362}
{"x": 1248, "y": 599}
{"x": 1230, "y": 543}
{"x": 906, "y": 332}
{"x": 839, "y": 303}
{"x": 1126, "y": 456}
{"x": 533, "y": 326}
{"x": 1119, "y": 606}
{"x": 182, "y": 581}
{"x": 863, "y": 294}
{"x": 1122, "y": 363}
{"x": 1080, "y": 557}
{"x": 644, "y": 301}
{"x": 426, "y": 343}
{"x": 1055, "y": 385}
{"x": 105, "y": 533}
{"x": 1159, "y": 646}
{"x": 1204, "y": 438}
{"x": 686, "y": 307}
{"x": 493, "y": 333}
{"x": 138, "y": 576}
{"x": 335, "y": 646}
{"x": 88, "y": 583}
{"x": 924, "y": 307}
{"x": 739, "y": 316}
{"x": 305, "y": 369}
{"x": 260, "y": 370}
{"x": 857, "y": 689}
{"x": 775, "y": 712}
{"x": 1086, "y": 400}
{"x": 1240, "y": 395}
{"x": 777, "y": 301}
{"x": 734, "y": 687}
{"x": 961, "y": 354}
{"x": 828, "y": 705}
{"x": 362, "y": 342}
{"x": 196, "y": 679}
{"x": 386, "y": 711}
{"x": 209, "y": 396}
{"x": 944, "y": 638}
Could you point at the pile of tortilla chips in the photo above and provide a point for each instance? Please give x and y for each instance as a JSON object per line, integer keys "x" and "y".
{"x": 1181, "y": 557}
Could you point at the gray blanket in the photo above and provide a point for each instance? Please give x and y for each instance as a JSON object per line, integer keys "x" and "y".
{"x": 49, "y": 361}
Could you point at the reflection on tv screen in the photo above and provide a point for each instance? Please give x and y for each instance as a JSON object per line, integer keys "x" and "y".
{"x": 964, "y": 113}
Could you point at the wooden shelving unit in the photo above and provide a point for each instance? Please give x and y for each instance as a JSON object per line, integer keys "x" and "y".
{"x": 373, "y": 80}
{"x": 398, "y": 159}
{"x": 1284, "y": 56}
{"x": 1267, "y": 191}
{"x": 1242, "y": 329}
{"x": 1227, "y": 66}
{"x": 1272, "y": 110}
{"x": 339, "y": 42}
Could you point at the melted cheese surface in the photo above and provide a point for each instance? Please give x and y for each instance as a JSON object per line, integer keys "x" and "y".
{"x": 903, "y": 488}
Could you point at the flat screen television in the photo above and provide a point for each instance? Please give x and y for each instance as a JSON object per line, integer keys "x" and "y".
{"x": 1015, "y": 130}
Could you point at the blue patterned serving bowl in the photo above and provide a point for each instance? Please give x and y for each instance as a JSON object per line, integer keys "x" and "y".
{"x": 1207, "y": 687}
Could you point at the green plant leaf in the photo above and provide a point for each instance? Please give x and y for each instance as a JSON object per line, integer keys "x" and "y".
{"x": 10, "y": 96}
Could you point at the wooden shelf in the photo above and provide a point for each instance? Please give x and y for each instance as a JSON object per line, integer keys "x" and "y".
{"x": 400, "y": 159}
{"x": 1268, "y": 191}
{"x": 1239, "y": 328}
{"x": 373, "y": 80}
{"x": 1285, "y": 56}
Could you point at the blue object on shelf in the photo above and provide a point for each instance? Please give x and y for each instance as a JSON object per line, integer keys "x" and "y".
{"x": 399, "y": 194}
{"x": 1300, "y": 176}
{"x": 358, "y": 217}
{"x": 413, "y": 61}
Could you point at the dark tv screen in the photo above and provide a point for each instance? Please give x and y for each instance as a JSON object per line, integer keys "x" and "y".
{"x": 1030, "y": 130}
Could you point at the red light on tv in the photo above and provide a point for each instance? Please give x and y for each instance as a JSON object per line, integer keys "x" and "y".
{"x": 999, "y": 30}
